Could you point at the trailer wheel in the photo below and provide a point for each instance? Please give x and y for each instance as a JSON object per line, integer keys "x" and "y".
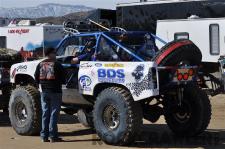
{"x": 190, "y": 118}
{"x": 25, "y": 110}
{"x": 117, "y": 118}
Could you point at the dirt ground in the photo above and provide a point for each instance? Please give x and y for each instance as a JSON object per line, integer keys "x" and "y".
{"x": 152, "y": 135}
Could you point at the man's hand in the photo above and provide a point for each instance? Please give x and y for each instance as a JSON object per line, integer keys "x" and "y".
{"x": 75, "y": 60}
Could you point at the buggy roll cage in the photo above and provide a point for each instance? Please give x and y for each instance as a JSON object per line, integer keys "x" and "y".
{"x": 74, "y": 33}
{"x": 106, "y": 34}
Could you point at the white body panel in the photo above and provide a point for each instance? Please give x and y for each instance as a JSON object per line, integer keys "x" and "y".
{"x": 27, "y": 68}
{"x": 198, "y": 30}
{"x": 137, "y": 77}
{"x": 93, "y": 73}
{"x": 30, "y": 38}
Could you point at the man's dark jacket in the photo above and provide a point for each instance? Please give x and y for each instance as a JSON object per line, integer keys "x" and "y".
{"x": 50, "y": 75}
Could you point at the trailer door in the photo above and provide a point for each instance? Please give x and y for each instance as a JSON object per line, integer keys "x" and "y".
{"x": 2, "y": 41}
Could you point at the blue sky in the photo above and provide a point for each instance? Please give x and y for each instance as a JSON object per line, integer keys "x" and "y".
{"x": 93, "y": 3}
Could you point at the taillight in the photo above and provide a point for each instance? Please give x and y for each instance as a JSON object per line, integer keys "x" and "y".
{"x": 179, "y": 77}
{"x": 185, "y": 76}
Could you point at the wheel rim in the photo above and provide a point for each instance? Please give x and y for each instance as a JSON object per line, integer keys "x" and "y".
{"x": 182, "y": 112}
{"x": 111, "y": 118}
{"x": 21, "y": 113}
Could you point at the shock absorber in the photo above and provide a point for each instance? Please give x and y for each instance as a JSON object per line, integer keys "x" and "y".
{"x": 180, "y": 95}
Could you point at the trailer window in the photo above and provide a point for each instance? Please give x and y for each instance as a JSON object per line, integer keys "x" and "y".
{"x": 182, "y": 35}
{"x": 214, "y": 36}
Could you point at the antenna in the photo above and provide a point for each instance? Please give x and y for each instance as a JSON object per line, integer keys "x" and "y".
{"x": 98, "y": 24}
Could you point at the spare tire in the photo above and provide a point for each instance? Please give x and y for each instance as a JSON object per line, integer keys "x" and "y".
{"x": 176, "y": 52}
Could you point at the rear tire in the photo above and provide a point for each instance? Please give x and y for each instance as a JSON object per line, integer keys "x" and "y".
{"x": 193, "y": 117}
{"x": 117, "y": 118}
{"x": 25, "y": 110}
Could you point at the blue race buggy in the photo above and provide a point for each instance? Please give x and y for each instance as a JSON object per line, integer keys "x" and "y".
{"x": 126, "y": 78}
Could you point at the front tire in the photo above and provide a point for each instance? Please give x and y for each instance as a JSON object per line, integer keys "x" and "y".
{"x": 117, "y": 118}
{"x": 25, "y": 110}
{"x": 190, "y": 118}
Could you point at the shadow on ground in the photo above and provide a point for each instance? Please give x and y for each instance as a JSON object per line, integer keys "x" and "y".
{"x": 152, "y": 136}
{"x": 159, "y": 136}
{"x": 68, "y": 119}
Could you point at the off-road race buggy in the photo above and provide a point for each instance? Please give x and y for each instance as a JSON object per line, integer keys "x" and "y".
{"x": 128, "y": 79}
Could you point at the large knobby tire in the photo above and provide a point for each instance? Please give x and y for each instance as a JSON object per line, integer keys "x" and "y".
{"x": 194, "y": 114}
{"x": 25, "y": 110}
{"x": 117, "y": 118}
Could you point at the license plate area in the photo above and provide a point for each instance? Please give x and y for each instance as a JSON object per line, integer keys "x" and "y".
{"x": 184, "y": 75}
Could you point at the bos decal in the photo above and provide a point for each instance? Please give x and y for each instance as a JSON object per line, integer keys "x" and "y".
{"x": 85, "y": 83}
{"x": 111, "y": 75}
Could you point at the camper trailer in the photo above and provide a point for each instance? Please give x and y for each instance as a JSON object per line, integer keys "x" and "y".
{"x": 206, "y": 33}
{"x": 29, "y": 36}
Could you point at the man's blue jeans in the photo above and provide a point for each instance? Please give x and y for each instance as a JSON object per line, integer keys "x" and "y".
{"x": 51, "y": 104}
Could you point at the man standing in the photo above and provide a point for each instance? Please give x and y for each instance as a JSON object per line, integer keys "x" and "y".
{"x": 50, "y": 75}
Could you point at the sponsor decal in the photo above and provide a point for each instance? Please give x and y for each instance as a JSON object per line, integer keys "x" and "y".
{"x": 85, "y": 65}
{"x": 18, "y": 31}
{"x": 98, "y": 65}
{"x": 114, "y": 65}
{"x": 85, "y": 83}
{"x": 111, "y": 75}
{"x": 138, "y": 73}
{"x": 21, "y": 68}
{"x": 142, "y": 82}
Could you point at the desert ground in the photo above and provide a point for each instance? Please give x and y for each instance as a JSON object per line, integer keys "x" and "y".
{"x": 152, "y": 135}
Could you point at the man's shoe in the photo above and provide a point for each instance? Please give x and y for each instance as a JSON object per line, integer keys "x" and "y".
{"x": 53, "y": 140}
{"x": 44, "y": 140}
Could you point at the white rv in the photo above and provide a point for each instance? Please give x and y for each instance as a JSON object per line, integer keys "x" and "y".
{"x": 208, "y": 34}
{"x": 27, "y": 36}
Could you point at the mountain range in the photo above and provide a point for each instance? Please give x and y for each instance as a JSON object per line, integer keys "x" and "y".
{"x": 43, "y": 10}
